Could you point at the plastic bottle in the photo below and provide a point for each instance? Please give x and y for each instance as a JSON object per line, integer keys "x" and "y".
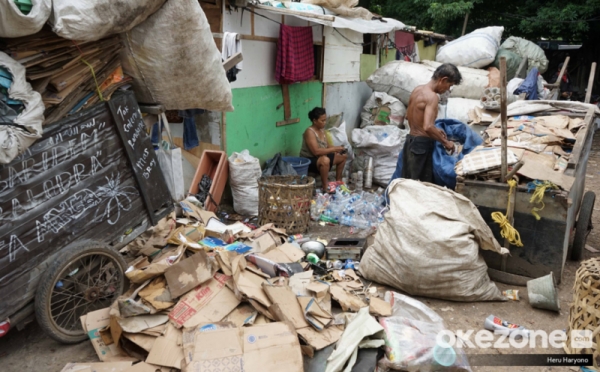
{"x": 493, "y": 323}
{"x": 312, "y": 258}
{"x": 338, "y": 265}
{"x": 328, "y": 219}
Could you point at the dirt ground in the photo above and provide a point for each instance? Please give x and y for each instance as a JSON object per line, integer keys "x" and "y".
{"x": 30, "y": 349}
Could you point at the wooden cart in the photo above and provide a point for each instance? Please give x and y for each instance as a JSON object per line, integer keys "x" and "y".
{"x": 566, "y": 217}
{"x": 89, "y": 186}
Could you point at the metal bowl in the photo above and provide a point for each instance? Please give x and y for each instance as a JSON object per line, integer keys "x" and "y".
{"x": 315, "y": 247}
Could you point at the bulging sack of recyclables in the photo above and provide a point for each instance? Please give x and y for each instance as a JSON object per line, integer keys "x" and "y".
{"x": 13, "y": 23}
{"x": 428, "y": 245}
{"x": 174, "y": 61}
{"x": 15, "y": 139}
{"x": 244, "y": 172}
{"x": 89, "y": 20}
{"x": 476, "y": 49}
{"x": 400, "y": 78}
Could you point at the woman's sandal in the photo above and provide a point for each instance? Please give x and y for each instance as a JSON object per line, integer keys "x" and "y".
{"x": 331, "y": 186}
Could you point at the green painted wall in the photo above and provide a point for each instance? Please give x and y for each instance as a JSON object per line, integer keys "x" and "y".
{"x": 252, "y": 125}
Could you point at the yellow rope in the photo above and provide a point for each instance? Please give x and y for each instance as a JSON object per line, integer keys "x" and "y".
{"x": 538, "y": 196}
{"x": 95, "y": 80}
{"x": 507, "y": 231}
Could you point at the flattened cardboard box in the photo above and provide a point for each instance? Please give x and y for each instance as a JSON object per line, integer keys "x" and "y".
{"x": 191, "y": 303}
{"x": 188, "y": 274}
{"x": 92, "y": 324}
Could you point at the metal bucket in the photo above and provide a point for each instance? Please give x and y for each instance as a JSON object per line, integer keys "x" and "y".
{"x": 543, "y": 294}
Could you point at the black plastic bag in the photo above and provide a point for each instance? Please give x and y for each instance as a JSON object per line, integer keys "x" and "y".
{"x": 278, "y": 167}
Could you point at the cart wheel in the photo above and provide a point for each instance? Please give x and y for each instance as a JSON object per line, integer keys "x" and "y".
{"x": 87, "y": 276}
{"x": 583, "y": 225}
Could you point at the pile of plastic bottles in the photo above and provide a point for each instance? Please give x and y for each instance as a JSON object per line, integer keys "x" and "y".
{"x": 361, "y": 209}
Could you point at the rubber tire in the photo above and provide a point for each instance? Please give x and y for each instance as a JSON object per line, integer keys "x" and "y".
{"x": 45, "y": 287}
{"x": 584, "y": 221}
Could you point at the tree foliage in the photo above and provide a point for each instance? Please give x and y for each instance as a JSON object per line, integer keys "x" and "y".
{"x": 575, "y": 20}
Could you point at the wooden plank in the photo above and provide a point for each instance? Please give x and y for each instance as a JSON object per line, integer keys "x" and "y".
{"x": 217, "y": 35}
{"x": 287, "y": 108}
{"x": 556, "y": 84}
{"x": 295, "y": 13}
{"x": 224, "y": 131}
{"x": 581, "y": 139}
{"x": 287, "y": 122}
{"x": 252, "y": 24}
{"x": 232, "y": 61}
{"x": 588, "y": 94}
{"x": 504, "y": 120}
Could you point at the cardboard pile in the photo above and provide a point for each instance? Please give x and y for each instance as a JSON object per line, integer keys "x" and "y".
{"x": 542, "y": 143}
{"x": 204, "y": 293}
{"x": 68, "y": 74}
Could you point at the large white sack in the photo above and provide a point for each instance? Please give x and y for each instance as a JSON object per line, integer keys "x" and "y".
{"x": 338, "y": 137}
{"x": 244, "y": 172}
{"x": 458, "y": 109}
{"x": 526, "y": 49}
{"x": 400, "y": 78}
{"x": 14, "y": 140}
{"x": 377, "y": 101}
{"x": 89, "y": 20}
{"x": 383, "y": 144}
{"x": 476, "y": 49}
{"x": 174, "y": 60}
{"x": 13, "y": 23}
{"x": 428, "y": 245}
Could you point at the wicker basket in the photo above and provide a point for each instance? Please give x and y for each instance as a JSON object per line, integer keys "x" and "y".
{"x": 585, "y": 310}
{"x": 285, "y": 202}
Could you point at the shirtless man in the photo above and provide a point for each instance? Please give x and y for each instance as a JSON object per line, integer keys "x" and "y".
{"x": 417, "y": 162}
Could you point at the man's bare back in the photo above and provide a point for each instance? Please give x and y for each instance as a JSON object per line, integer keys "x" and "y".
{"x": 422, "y": 112}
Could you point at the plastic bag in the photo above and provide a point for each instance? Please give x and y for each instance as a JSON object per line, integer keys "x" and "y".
{"x": 411, "y": 336}
{"x": 89, "y": 20}
{"x": 383, "y": 144}
{"x": 513, "y": 61}
{"x": 170, "y": 160}
{"x": 16, "y": 137}
{"x": 278, "y": 167}
{"x": 382, "y": 109}
{"x": 457, "y": 109}
{"x": 13, "y": 23}
{"x": 428, "y": 245}
{"x": 476, "y": 49}
{"x": 244, "y": 172}
{"x": 174, "y": 60}
{"x": 337, "y": 136}
{"x": 400, "y": 78}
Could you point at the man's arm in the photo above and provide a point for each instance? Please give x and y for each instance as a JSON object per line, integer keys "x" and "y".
{"x": 431, "y": 111}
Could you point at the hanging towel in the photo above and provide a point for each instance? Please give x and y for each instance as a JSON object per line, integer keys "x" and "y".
{"x": 295, "y": 55}
{"x": 231, "y": 46}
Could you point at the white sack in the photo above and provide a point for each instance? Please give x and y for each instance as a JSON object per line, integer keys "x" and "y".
{"x": 476, "y": 49}
{"x": 13, "y": 23}
{"x": 244, "y": 172}
{"x": 526, "y": 49}
{"x": 174, "y": 60}
{"x": 513, "y": 84}
{"x": 458, "y": 109}
{"x": 15, "y": 140}
{"x": 400, "y": 78}
{"x": 383, "y": 144}
{"x": 428, "y": 245}
{"x": 89, "y": 20}
{"x": 378, "y": 100}
{"x": 339, "y": 137}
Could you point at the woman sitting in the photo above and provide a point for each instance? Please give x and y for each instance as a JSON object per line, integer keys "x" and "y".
{"x": 322, "y": 156}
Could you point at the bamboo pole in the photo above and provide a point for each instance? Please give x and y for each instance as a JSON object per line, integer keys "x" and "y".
{"x": 504, "y": 120}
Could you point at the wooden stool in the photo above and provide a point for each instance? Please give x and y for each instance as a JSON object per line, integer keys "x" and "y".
{"x": 585, "y": 310}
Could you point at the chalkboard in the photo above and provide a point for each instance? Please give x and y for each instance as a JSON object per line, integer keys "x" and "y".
{"x": 128, "y": 120}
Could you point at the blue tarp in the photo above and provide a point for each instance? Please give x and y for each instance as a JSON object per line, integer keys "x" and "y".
{"x": 529, "y": 85}
{"x": 443, "y": 164}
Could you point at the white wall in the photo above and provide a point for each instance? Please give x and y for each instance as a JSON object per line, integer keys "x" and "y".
{"x": 349, "y": 99}
{"x": 342, "y": 57}
{"x": 260, "y": 56}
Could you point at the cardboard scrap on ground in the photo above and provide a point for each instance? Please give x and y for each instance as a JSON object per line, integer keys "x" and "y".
{"x": 320, "y": 291}
{"x": 215, "y": 310}
{"x": 250, "y": 285}
{"x": 157, "y": 294}
{"x": 347, "y": 301}
{"x": 189, "y": 273}
{"x": 167, "y": 350}
{"x": 316, "y": 316}
{"x": 97, "y": 367}
{"x": 285, "y": 306}
{"x": 320, "y": 340}
{"x": 537, "y": 171}
{"x": 250, "y": 349}
{"x": 158, "y": 266}
{"x": 145, "y": 367}
{"x": 379, "y": 307}
{"x": 285, "y": 253}
{"x": 137, "y": 324}
{"x": 189, "y": 236}
{"x": 142, "y": 340}
{"x": 300, "y": 282}
{"x": 95, "y": 322}
{"x": 192, "y": 302}
{"x": 242, "y": 315}
{"x": 191, "y": 211}
{"x": 264, "y": 238}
